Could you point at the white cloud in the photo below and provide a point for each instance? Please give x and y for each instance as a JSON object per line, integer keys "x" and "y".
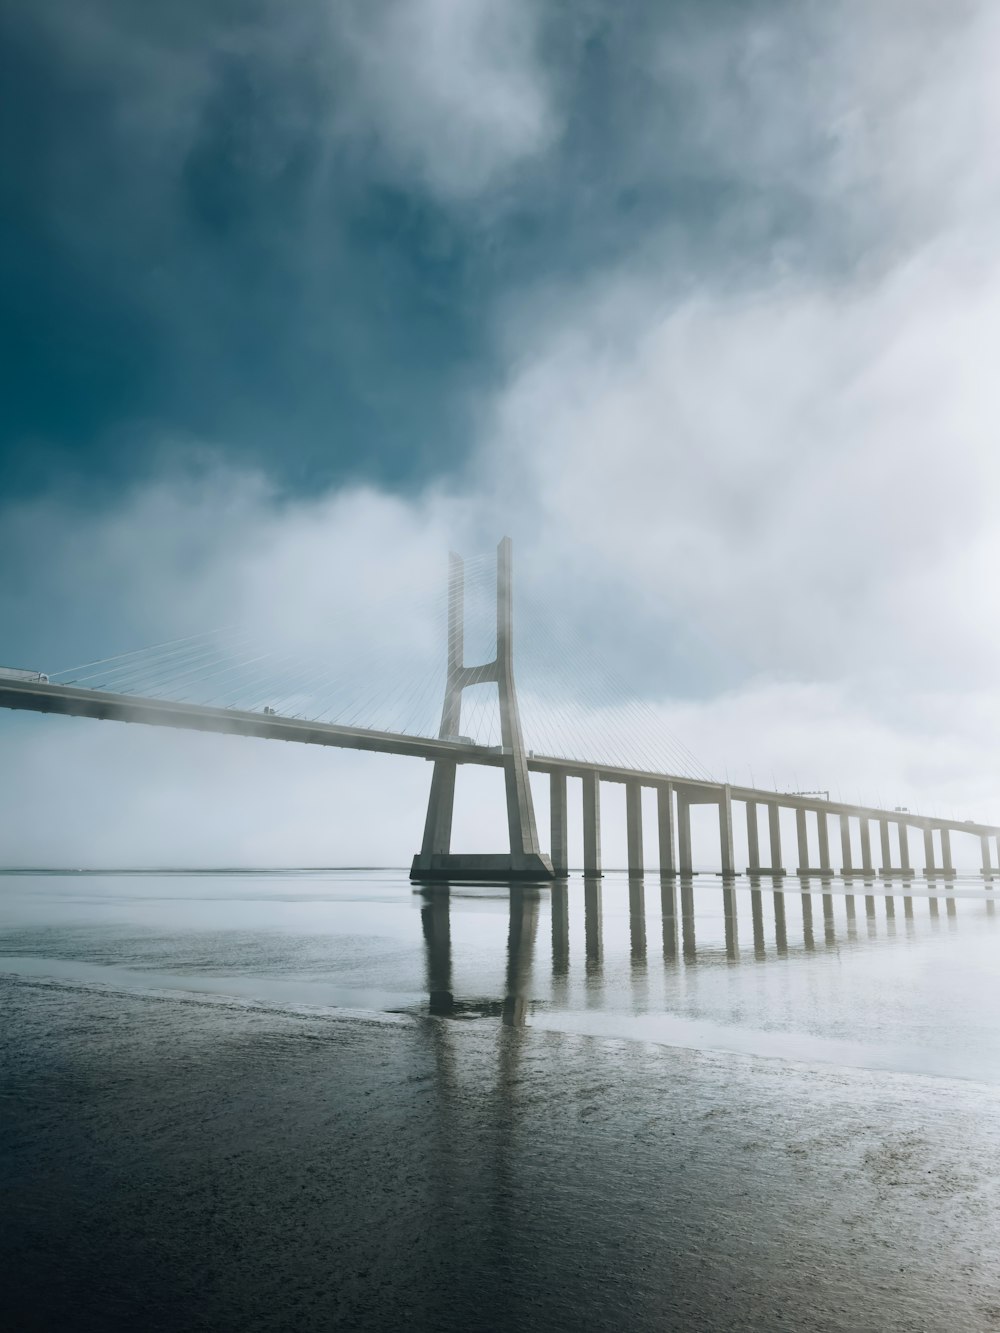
{"x": 453, "y": 91}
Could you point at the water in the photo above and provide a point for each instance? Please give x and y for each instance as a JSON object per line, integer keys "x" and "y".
{"x": 325, "y": 1099}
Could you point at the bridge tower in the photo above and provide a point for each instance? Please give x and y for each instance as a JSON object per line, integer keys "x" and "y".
{"x": 435, "y": 860}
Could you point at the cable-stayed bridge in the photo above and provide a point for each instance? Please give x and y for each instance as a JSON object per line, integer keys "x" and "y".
{"x": 592, "y": 731}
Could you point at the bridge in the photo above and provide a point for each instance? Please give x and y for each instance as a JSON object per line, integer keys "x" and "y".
{"x": 676, "y": 793}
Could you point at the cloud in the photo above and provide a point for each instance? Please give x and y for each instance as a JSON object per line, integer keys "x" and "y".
{"x": 797, "y": 473}
{"x": 452, "y": 93}
{"x": 763, "y": 489}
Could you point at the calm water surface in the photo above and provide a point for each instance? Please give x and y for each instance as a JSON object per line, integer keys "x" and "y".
{"x": 319, "y": 1099}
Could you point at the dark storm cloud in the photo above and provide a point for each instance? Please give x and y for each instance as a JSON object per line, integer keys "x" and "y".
{"x": 283, "y": 230}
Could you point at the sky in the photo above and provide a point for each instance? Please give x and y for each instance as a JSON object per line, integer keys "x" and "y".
{"x": 697, "y": 301}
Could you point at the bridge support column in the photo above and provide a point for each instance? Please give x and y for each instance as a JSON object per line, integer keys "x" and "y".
{"x": 846, "y": 855}
{"x": 440, "y": 809}
{"x": 684, "y": 834}
{"x": 866, "y": 848}
{"x": 946, "y": 861}
{"x": 774, "y": 837}
{"x": 559, "y": 843}
{"x": 802, "y": 837}
{"x": 929, "y": 867}
{"x": 823, "y": 828}
{"x": 591, "y": 825}
{"x": 665, "y": 823}
{"x": 984, "y": 842}
{"x": 726, "y": 832}
{"x": 633, "y": 826}
{"x": 883, "y": 828}
{"x": 906, "y": 870}
{"x": 753, "y": 839}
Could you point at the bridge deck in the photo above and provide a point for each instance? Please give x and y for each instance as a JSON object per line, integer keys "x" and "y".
{"x": 75, "y": 701}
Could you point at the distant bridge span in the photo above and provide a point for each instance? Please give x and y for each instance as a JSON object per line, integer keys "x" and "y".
{"x": 672, "y": 790}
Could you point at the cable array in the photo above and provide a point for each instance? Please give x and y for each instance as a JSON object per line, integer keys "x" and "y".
{"x": 390, "y": 676}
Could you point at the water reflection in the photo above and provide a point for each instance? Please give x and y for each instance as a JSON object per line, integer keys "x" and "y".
{"x": 668, "y": 914}
{"x": 688, "y": 942}
{"x": 829, "y": 931}
{"x": 757, "y": 916}
{"x": 520, "y": 952}
{"x": 807, "y": 917}
{"x": 435, "y": 918}
{"x": 780, "y": 924}
{"x": 637, "y": 921}
{"x": 560, "y": 928}
{"x": 593, "y": 925}
{"x": 729, "y": 914}
{"x": 435, "y": 915}
{"x": 525, "y": 905}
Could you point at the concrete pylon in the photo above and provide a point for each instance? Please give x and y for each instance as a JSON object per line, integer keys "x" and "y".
{"x": 591, "y": 825}
{"x": 726, "y": 832}
{"x": 753, "y": 839}
{"x": 633, "y": 821}
{"x": 559, "y": 837}
{"x": 435, "y": 860}
{"x": 665, "y": 826}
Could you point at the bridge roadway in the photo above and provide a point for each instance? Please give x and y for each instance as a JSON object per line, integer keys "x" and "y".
{"x": 75, "y": 701}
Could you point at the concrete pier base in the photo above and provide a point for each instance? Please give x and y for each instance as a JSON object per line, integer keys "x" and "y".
{"x": 498, "y": 868}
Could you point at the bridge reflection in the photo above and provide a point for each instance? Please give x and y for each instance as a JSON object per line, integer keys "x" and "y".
{"x": 523, "y": 927}
{"x": 767, "y": 939}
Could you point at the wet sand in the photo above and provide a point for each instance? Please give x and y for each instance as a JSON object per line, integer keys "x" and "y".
{"x": 184, "y": 1162}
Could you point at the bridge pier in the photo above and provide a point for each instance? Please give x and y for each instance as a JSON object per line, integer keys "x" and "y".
{"x": 684, "y": 834}
{"x": 435, "y": 861}
{"x": 823, "y": 828}
{"x": 633, "y": 827}
{"x": 846, "y": 855}
{"x": 883, "y": 828}
{"x": 440, "y": 810}
{"x": 867, "y": 868}
{"x": 824, "y": 870}
{"x": 905, "y": 869}
{"x": 591, "y": 825}
{"x": 559, "y": 832}
{"x": 726, "y": 832}
{"x": 987, "y": 863}
{"x": 774, "y": 838}
{"x": 946, "y": 861}
{"x": 753, "y": 839}
{"x": 802, "y": 837}
{"x": 665, "y": 828}
{"x": 929, "y": 868}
